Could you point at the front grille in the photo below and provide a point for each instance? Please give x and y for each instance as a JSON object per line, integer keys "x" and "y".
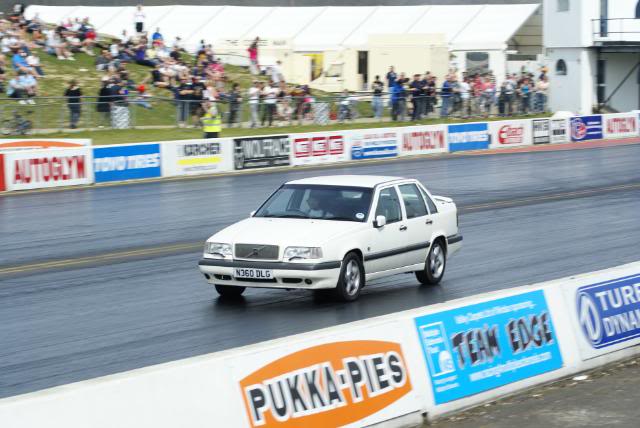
{"x": 256, "y": 252}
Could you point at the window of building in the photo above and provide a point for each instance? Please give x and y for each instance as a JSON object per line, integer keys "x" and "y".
{"x": 563, "y": 5}
{"x": 561, "y": 68}
{"x": 638, "y": 10}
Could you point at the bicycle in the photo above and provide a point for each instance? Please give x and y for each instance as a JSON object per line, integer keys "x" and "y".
{"x": 17, "y": 125}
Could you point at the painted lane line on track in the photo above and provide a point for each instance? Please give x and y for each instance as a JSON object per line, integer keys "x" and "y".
{"x": 186, "y": 247}
{"x": 598, "y": 144}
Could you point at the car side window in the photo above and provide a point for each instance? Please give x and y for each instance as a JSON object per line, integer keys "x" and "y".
{"x": 389, "y": 205}
{"x": 432, "y": 206}
{"x": 413, "y": 202}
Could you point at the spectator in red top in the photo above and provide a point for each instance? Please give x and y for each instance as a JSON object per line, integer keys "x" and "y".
{"x": 253, "y": 56}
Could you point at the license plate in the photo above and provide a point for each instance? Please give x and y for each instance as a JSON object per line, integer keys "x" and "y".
{"x": 250, "y": 273}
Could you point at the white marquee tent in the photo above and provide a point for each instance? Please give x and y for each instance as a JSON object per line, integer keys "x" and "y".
{"x": 468, "y": 27}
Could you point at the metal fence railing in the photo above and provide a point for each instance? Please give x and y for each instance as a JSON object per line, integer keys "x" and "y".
{"x": 55, "y": 113}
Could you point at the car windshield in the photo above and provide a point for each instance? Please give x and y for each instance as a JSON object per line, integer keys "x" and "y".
{"x": 318, "y": 202}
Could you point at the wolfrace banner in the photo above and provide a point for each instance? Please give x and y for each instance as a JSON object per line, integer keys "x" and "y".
{"x": 261, "y": 152}
{"x": 541, "y": 131}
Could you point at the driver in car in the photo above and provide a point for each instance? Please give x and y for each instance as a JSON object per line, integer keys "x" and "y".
{"x": 316, "y": 208}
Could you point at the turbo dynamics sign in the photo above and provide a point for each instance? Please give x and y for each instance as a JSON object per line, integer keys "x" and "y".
{"x": 313, "y": 149}
{"x": 327, "y": 385}
{"x": 47, "y": 168}
{"x": 193, "y": 157}
{"x": 468, "y": 136}
{"x": 261, "y": 152}
{"x": 607, "y": 314}
{"x": 479, "y": 347}
{"x": 584, "y": 128}
{"x": 118, "y": 163}
{"x": 559, "y": 130}
{"x": 422, "y": 140}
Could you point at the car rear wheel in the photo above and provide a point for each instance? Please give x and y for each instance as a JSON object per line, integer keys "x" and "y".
{"x": 351, "y": 278}
{"x": 434, "y": 266}
{"x": 229, "y": 290}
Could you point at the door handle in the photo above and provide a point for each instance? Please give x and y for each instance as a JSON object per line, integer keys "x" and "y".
{"x": 429, "y": 221}
{"x": 403, "y": 228}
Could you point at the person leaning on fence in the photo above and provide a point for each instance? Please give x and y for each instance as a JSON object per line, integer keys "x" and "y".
{"x": 211, "y": 122}
{"x": 73, "y": 94}
{"x": 254, "y": 102}
{"x": 234, "y": 99}
{"x": 398, "y": 101}
{"x": 376, "y": 102}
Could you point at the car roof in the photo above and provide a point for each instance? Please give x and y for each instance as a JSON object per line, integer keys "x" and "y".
{"x": 347, "y": 180}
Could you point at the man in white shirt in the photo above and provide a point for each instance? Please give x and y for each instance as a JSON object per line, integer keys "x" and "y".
{"x": 254, "y": 102}
{"x": 270, "y": 98}
{"x": 276, "y": 73}
{"x": 139, "y": 18}
{"x": 465, "y": 96}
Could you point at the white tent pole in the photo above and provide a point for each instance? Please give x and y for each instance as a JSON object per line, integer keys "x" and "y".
{"x": 359, "y": 25}
{"x": 418, "y": 19}
{"x": 466, "y": 25}
{"x": 197, "y": 30}
{"x": 293, "y": 38}
{"x": 114, "y": 16}
{"x": 167, "y": 13}
{"x": 251, "y": 27}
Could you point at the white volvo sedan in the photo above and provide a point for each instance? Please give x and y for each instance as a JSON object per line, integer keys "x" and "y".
{"x": 335, "y": 232}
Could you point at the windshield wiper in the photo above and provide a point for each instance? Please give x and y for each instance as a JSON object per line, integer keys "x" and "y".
{"x": 285, "y": 216}
{"x": 340, "y": 218}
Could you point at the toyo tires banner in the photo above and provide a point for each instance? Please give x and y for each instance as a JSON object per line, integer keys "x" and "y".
{"x": 468, "y": 136}
{"x": 35, "y": 169}
{"x": 510, "y": 133}
{"x": 126, "y": 162}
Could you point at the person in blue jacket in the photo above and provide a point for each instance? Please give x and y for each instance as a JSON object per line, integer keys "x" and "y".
{"x": 445, "y": 94}
{"x": 398, "y": 101}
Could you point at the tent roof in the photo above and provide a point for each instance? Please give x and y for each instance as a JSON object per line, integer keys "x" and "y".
{"x": 466, "y": 27}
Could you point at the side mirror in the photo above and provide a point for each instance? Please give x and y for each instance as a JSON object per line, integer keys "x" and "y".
{"x": 379, "y": 221}
{"x": 252, "y": 213}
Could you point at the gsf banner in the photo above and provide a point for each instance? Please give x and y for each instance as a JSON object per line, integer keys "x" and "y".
{"x": 621, "y": 125}
{"x": 374, "y": 143}
{"x": 261, "y": 152}
{"x": 480, "y": 347}
{"x": 585, "y": 128}
{"x": 468, "y": 136}
{"x": 419, "y": 140}
{"x": 34, "y": 169}
{"x": 192, "y": 157}
{"x": 359, "y": 379}
{"x": 126, "y": 162}
{"x": 541, "y": 131}
{"x": 606, "y": 314}
{"x": 317, "y": 148}
{"x": 509, "y": 133}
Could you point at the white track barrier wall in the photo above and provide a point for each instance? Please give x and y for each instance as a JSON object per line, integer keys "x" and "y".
{"x": 393, "y": 369}
{"x": 199, "y": 156}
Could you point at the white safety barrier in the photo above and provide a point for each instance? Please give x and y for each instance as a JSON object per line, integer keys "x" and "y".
{"x": 394, "y": 369}
{"x": 210, "y": 156}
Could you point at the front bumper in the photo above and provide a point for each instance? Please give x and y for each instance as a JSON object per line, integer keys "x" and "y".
{"x": 311, "y": 276}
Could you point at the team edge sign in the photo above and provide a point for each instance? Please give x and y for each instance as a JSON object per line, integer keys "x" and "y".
{"x": 332, "y": 384}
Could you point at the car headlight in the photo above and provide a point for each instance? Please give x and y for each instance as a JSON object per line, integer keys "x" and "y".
{"x": 218, "y": 249}
{"x": 293, "y": 253}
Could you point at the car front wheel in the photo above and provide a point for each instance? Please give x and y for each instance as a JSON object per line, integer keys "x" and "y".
{"x": 434, "y": 266}
{"x": 351, "y": 278}
{"x": 229, "y": 290}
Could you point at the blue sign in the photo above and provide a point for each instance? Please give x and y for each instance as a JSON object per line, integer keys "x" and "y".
{"x": 468, "y": 136}
{"x": 609, "y": 312}
{"x": 479, "y": 347}
{"x": 585, "y": 128}
{"x": 375, "y": 146}
{"x": 126, "y": 162}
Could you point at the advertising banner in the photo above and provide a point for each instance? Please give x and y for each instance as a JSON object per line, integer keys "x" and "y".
{"x": 317, "y": 148}
{"x": 374, "y": 143}
{"x": 559, "y": 130}
{"x": 420, "y": 140}
{"x": 126, "y": 162}
{"x": 468, "y": 136}
{"x": 35, "y": 169}
{"x": 606, "y": 315}
{"x": 3, "y": 187}
{"x": 10, "y": 144}
{"x": 541, "y": 131}
{"x": 332, "y": 384}
{"x": 261, "y": 152}
{"x": 510, "y": 133}
{"x": 479, "y": 347}
{"x": 585, "y": 128}
{"x": 622, "y": 125}
{"x": 193, "y": 157}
